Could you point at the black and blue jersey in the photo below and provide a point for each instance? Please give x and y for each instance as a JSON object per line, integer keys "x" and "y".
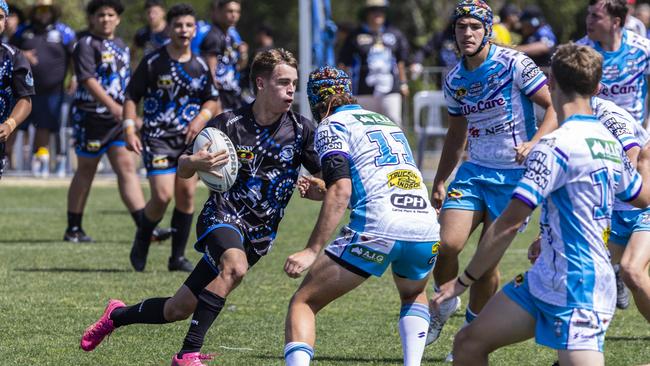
{"x": 224, "y": 45}
{"x": 149, "y": 40}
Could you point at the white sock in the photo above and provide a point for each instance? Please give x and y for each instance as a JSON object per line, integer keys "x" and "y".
{"x": 298, "y": 354}
{"x": 413, "y": 326}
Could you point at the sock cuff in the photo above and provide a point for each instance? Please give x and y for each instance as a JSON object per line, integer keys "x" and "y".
{"x": 469, "y": 315}
{"x": 292, "y": 347}
{"x": 415, "y": 309}
{"x": 182, "y": 214}
{"x": 213, "y": 301}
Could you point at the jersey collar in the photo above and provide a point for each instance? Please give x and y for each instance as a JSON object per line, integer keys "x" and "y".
{"x": 489, "y": 56}
{"x": 347, "y": 107}
{"x": 598, "y": 48}
{"x": 581, "y": 118}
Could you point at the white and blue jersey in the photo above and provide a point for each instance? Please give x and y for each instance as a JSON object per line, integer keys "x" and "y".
{"x": 624, "y": 73}
{"x": 495, "y": 100}
{"x": 575, "y": 172}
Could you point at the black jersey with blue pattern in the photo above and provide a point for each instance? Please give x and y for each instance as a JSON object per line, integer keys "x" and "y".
{"x": 173, "y": 92}
{"x": 149, "y": 40}
{"x": 16, "y": 80}
{"x": 270, "y": 158}
{"x": 106, "y": 60}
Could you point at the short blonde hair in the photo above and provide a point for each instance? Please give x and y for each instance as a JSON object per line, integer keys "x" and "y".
{"x": 577, "y": 69}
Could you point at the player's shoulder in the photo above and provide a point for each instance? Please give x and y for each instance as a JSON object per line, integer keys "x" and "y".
{"x": 637, "y": 41}
{"x": 586, "y": 41}
{"x": 509, "y": 57}
{"x": 9, "y": 49}
{"x": 201, "y": 62}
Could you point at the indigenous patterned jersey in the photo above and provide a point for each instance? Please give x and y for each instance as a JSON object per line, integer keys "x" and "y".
{"x": 389, "y": 199}
{"x": 575, "y": 172}
{"x": 173, "y": 92}
{"x": 224, "y": 45}
{"x": 624, "y": 73}
{"x": 270, "y": 158}
{"x": 106, "y": 60}
{"x": 494, "y": 98}
{"x": 149, "y": 40}
{"x": 16, "y": 80}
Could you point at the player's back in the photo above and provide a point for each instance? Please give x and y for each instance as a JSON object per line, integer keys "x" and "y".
{"x": 389, "y": 198}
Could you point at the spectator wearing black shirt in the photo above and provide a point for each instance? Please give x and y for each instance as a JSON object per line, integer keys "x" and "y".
{"x": 236, "y": 228}
{"x": 375, "y": 55}
{"x": 102, "y": 68}
{"x": 155, "y": 34}
{"x": 225, "y": 52}
{"x": 17, "y": 84}
{"x": 179, "y": 98}
{"x": 47, "y": 44}
{"x": 538, "y": 39}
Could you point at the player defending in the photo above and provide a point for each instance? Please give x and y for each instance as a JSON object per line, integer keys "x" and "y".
{"x": 238, "y": 227}
{"x": 179, "y": 99}
{"x": 15, "y": 78}
{"x": 626, "y": 67}
{"x": 490, "y": 96}
{"x": 367, "y": 163}
{"x": 566, "y": 300}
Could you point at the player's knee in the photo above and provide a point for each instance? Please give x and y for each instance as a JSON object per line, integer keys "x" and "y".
{"x": 450, "y": 248}
{"x": 632, "y": 276}
{"x": 161, "y": 197}
{"x": 466, "y": 343}
{"x": 235, "y": 271}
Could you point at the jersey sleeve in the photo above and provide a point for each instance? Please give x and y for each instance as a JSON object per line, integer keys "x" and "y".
{"x": 209, "y": 91}
{"x": 211, "y": 45}
{"x": 528, "y": 77}
{"x": 619, "y": 123}
{"x": 332, "y": 138}
{"x": 630, "y": 183}
{"x": 453, "y": 106}
{"x": 546, "y": 169}
{"x": 139, "y": 81}
{"x": 84, "y": 60}
{"x": 69, "y": 38}
{"x": 23, "y": 80}
{"x": 310, "y": 158}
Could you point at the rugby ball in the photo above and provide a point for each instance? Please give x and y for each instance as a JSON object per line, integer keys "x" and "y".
{"x": 218, "y": 179}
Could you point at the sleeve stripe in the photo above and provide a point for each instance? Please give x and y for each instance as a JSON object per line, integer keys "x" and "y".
{"x": 525, "y": 200}
{"x": 628, "y": 147}
{"x": 537, "y": 86}
{"x": 562, "y": 153}
{"x": 336, "y": 152}
{"x": 530, "y": 190}
{"x": 632, "y": 197}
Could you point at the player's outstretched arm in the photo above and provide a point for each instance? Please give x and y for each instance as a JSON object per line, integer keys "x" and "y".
{"x": 549, "y": 124}
{"x": 490, "y": 250}
{"x": 452, "y": 150}
{"x": 336, "y": 202}
{"x": 202, "y": 160}
{"x": 642, "y": 200}
{"x": 21, "y": 110}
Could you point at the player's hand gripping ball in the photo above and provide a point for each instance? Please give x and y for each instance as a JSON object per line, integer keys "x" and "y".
{"x": 221, "y": 178}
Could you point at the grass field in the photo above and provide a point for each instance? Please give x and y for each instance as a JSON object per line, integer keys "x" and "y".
{"x": 51, "y": 290}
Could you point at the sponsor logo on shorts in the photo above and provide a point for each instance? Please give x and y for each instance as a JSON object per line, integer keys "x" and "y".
{"x": 367, "y": 254}
{"x": 404, "y": 179}
{"x": 519, "y": 280}
{"x": 160, "y": 162}
{"x": 604, "y": 150}
{"x": 454, "y": 194}
{"x": 165, "y": 81}
{"x": 408, "y": 201}
{"x": 434, "y": 250}
{"x": 93, "y": 145}
{"x": 607, "y": 232}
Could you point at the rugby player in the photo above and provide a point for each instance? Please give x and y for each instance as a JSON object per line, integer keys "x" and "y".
{"x": 179, "y": 99}
{"x": 490, "y": 96}
{"x": 566, "y": 300}
{"x": 238, "y": 227}
{"x": 367, "y": 163}
{"x": 15, "y": 78}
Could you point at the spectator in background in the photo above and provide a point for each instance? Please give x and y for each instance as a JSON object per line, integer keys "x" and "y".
{"x": 15, "y": 21}
{"x": 47, "y": 45}
{"x": 155, "y": 34}
{"x": 225, "y": 52}
{"x": 539, "y": 41}
{"x": 375, "y": 56}
{"x": 642, "y": 12}
{"x": 632, "y": 23}
{"x": 263, "y": 42}
{"x": 504, "y": 29}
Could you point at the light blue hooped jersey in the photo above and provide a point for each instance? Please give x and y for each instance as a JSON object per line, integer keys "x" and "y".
{"x": 495, "y": 100}
{"x": 624, "y": 73}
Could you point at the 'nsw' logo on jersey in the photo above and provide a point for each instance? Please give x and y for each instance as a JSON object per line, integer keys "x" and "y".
{"x": 602, "y": 149}
{"x": 482, "y": 106}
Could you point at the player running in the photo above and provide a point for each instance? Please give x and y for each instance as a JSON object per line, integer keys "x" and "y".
{"x": 238, "y": 227}
{"x": 18, "y": 83}
{"x": 566, "y": 300}
{"x": 490, "y": 96}
{"x": 179, "y": 99}
{"x": 367, "y": 162}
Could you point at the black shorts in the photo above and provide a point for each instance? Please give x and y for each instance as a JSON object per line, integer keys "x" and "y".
{"x": 160, "y": 155}
{"x": 46, "y": 112}
{"x": 3, "y": 159}
{"x": 94, "y": 136}
{"x": 215, "y": 240}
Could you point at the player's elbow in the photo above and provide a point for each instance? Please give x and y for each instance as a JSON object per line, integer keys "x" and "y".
{"x": 340, "y": 191}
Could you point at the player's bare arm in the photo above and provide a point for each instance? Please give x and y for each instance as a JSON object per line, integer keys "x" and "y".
{"x": 209, "y": 109}
{"x": 133, "y": 142}
{"x": 643, "y": 167}
{"x": 543, "y": 99}
{"x": 452, "y": 150}
{"x": 311, "y": 187}
{"x": 20, "y": 112}
{"x": 97, "y": 91}
{"x": 336, "y": 202}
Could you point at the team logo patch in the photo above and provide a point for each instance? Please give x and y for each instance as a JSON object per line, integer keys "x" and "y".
{"x": 460, "y": 93}
{"x": 160, "y": 162}
{"x": 454, "y": 194}
{"x": 367, "y": 254}
{"x": 404, "y": 179}
{"x": 29, "y": 79}
{"x": 165, "y": 82}
{"x": 286, "y": 154}
{"x": 435, "y": 248}
{"x": 107, "y": 57}
{"x": 245, "y": 155}
{"x": 519, "y": 280}
{"x": 93, "y": 145}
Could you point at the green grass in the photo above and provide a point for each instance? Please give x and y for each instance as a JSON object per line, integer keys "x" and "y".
{"x": 51, "y": 290}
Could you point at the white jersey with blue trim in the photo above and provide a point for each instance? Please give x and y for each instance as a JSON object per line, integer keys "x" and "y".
{"x": 625, "y": 129}
{"x": 624, "y": 73}
{"x": 495, "y": 100}
{"x": 388, "y": 198}
{"x": 575, "y": 172}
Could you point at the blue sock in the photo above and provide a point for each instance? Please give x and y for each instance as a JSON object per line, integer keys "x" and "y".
{"x": 469, "y": 315}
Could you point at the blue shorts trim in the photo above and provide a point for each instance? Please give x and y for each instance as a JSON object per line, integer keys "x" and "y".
{"x": 624, "y": 223}
{"x": 161, "y": 172}
{"x": 213, "y": 228}
{"x": 102, "y": 151}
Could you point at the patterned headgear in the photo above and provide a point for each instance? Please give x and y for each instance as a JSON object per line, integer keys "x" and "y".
{"x": 326, "y": 81}
{"x": 4, "y": 7}
{"x": 479, "y": 10}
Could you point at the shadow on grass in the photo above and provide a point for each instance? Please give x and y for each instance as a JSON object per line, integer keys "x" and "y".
{"x": 30, "y": 241}
{"x": 624, "y": 339}
{"x": 355, "y": 359}
{"x": 73, "y": 270}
